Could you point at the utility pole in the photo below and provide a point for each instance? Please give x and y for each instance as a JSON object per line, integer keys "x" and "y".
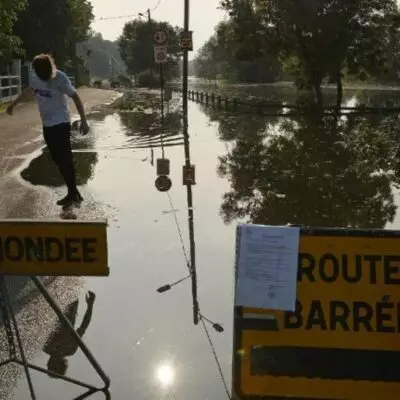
{"x": 149, "y": 21}
{"x": 188, "y": 166}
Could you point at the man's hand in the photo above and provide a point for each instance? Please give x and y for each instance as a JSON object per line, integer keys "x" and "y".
{"x": 10, "y": 109}
{"x": 84, "y": 127}
{"x": 90, "y": 297}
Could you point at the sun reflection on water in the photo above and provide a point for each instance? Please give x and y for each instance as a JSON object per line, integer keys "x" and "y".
{"x": 165, "y": 374}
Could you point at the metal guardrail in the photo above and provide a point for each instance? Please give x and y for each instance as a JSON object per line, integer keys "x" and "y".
{"x": 10, "y": 87}
{"x": 222, "y": 102}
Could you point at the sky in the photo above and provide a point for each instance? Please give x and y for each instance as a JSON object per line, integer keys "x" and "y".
{"x": 204, "y": 16}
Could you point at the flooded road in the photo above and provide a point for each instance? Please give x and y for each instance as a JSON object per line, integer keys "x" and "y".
{"x": 308, "y": 170}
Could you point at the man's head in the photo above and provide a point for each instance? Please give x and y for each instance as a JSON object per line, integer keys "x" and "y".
{"x": 57, "y": 364}
{"x": 44, "y": 66}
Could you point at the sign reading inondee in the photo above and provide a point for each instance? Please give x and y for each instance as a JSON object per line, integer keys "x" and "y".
{"x": 54, "y": 248}
{"x": 342, "y": 340}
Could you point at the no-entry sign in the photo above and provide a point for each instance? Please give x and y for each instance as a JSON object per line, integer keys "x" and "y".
{"x": 342, "y": 340}
{"x": 53, "y": 248}
{"x": 160, "y": 37}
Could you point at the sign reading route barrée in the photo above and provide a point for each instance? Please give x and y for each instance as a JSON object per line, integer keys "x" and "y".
{"x": 53, "y": 248}
{"x": 342, "y": 340}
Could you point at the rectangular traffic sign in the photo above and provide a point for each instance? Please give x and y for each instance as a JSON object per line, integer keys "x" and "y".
{"x": 160, "y": 54}
{"x": 343, "y": 338}
{"x": 53, "y": 248}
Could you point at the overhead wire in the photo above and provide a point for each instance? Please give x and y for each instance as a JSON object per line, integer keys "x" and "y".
{"x": 216, "y": 359}
{"x": 138, "y": 14}
{"x": 156, "y": 6}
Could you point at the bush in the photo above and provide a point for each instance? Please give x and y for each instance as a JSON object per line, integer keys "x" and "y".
{"x": 115, "y": 83}
{"x": 148, "y": 79}
{"x": 124, "y": 81}
{"x": 97, "y": 84}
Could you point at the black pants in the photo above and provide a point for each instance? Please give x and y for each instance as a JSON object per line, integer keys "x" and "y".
{"x": 58, "y": 141}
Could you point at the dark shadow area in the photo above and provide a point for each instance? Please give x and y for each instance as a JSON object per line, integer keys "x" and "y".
{"x": 42, "y": 171}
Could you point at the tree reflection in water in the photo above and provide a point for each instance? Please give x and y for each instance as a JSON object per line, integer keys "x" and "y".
{"x": 310, "y": 170}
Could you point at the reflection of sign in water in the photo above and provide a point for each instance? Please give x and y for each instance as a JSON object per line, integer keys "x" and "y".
{"x": 163, "y": 183}
{"x": 188, "y": 175}
{"x": 34, "y": 247}
{"x": 343, "y": 339}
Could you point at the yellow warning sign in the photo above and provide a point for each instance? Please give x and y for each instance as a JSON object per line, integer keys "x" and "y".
{"x": 342, "y": 340}
{"x": 53, "y": 248}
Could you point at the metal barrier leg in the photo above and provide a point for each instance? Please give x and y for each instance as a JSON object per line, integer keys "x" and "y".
{"x": 24, "y": 362}
{"x": 8, "y": 314}
{"x": 11, "y": 326}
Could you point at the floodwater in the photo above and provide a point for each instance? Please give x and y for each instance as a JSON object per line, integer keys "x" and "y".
{"x": 307, "y": 170}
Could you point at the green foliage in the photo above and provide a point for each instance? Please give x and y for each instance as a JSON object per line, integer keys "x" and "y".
{"x": 136, "y": 47}
{"x": 221, "y": 57}
{"x": 54, "y": 26}
{"x": 10, "y": 44}
{"x": 124, "y": 81}
{"x": 317, "y": 40}
{"x": 148, "y": 79}
{"x": 101, "y": 57}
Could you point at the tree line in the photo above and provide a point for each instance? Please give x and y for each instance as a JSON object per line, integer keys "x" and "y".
{"x": 310, "y": 42}
{"x": 136, "y": 46}
{"x": 30, "y": 27}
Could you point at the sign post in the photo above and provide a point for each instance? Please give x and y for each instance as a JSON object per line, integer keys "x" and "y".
{"x": 343, "y": 337}
{"x": 50, "y": 248}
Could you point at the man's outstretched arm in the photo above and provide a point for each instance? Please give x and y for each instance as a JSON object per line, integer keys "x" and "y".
{"x": 68, "y": 89}
{"x": 81, "y": 110}
{"x": 90, "y": 297}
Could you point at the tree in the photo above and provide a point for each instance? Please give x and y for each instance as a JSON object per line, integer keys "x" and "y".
{"x": 101, "y": 57}
{"x": 136, "y": 46}
{"x": 221, "y": 57}
{"x": 10, "y": 44}
{"x": 54, "y": 26}
{"x": 80, "y": 18}
{"x": 317, "y": 40}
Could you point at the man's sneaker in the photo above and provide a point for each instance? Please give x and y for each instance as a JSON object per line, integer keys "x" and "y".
{"x": 65, "y": 200}
{"x": 70, "y": 199}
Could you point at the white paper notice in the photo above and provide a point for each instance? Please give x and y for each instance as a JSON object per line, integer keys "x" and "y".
{"x": 267, "y": 267}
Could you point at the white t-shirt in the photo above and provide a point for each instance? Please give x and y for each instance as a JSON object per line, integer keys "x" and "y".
{"x": 51, "y": 98}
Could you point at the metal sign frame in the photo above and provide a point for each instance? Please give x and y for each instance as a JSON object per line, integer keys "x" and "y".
{"x": 31, "y": 243}
{"x": 251, "y": 327}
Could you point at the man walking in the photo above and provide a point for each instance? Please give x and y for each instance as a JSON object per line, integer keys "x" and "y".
{"x": 50, "y": 87}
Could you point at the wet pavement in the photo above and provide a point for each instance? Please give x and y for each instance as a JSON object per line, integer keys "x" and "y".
{"x": 306, "y": 170}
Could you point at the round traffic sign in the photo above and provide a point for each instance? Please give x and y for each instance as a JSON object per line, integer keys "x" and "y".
{"x": 163, "y": 183}
{"x": 160, "y": 37}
